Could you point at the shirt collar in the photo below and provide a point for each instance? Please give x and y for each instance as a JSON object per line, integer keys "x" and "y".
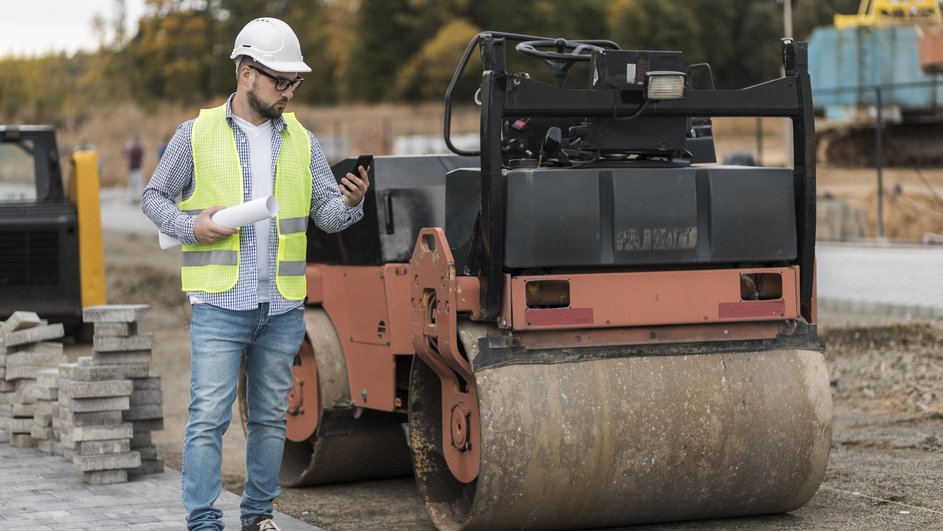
{"x": 279, "y": 123}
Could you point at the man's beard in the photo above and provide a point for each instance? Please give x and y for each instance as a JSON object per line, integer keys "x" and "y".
{"x": 269, "y": 113}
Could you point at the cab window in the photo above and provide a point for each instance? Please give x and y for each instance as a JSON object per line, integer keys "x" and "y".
{"x": 19, "y": 178}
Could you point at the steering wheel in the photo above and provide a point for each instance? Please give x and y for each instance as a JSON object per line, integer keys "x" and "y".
{"x": 564, "y": 54}
{"x": 565, "y": 51}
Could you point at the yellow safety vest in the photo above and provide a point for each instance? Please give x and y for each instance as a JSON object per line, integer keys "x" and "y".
{"x": 217, "y": 175}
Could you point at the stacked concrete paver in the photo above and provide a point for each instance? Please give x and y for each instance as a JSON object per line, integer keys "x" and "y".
{"x": 121, "y": 350}
{"x": 146, "y": 415}
{"x": 6, "y": 395}
{"x": 27, "y": 351}
{"x": 47, "y": 394}
{"x": 89, "y": 424}
{"x": 98, "y": 412}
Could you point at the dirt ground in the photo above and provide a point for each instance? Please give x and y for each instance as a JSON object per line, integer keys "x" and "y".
{"x": 885, "y": 469}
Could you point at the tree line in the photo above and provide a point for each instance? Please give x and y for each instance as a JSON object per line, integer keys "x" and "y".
{"x": 383, "y": 50}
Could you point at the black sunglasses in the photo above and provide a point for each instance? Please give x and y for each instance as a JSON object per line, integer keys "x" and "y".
{"x": 280, "y": 82}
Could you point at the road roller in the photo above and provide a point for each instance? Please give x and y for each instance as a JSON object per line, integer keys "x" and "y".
{"x": 584, "y": 321}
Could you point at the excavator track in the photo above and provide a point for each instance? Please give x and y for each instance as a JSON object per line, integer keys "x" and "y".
{"x": 904, "y": 145}
{"x": 627, "y": 439}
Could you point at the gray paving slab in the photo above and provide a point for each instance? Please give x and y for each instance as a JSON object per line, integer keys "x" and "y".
{"x": 43, "y": 492}
{"x": 887, "y": 279}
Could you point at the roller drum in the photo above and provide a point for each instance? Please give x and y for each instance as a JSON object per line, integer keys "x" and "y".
{"x": 346, "y": 449}
{"x": 631, "y": 440}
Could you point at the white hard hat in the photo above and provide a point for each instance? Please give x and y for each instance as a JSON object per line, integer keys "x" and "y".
{"x": 272, "y": 43}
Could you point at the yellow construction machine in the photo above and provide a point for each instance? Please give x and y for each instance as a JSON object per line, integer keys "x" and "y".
{"x": 883, "y": 12}
{"x": 51, "y": 255}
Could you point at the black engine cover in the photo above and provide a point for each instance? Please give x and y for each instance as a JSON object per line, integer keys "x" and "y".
{"x": 639, "y": 216}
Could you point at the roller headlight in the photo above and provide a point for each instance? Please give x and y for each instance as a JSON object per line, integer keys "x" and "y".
{"x": 665, "y": 85}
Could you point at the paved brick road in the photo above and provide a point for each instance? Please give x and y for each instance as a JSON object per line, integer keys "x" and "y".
{"x": 42, "y": 492}
{"x": 883, "y": 279}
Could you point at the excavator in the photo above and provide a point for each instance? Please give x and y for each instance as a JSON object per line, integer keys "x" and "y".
{"x": 585, "y": 322}
{"x": 51, "y": 251}
{"x": 880, "y": 67}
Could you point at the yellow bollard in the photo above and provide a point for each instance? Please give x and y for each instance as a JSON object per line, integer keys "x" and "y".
{"x": 84, "y": 193}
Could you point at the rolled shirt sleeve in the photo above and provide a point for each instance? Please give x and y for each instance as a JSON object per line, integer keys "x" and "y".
{"x": 328, "y": 210}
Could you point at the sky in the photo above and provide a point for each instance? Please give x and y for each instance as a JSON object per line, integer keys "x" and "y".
{"x": 35, "y": 27}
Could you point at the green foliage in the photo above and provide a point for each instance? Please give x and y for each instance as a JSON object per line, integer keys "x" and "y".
{"x": 396, "y": 50}
{"x": 547, "y": 18}
{"x": 656, "y": 25}
{"x": 340, "y": 39}
{"x": 173, "y": 54}
{"x": 389, "y": 33}
{"x": 41, "y": 89}
{"x": 760, "y": 55}
{"x": 425, "y": 75}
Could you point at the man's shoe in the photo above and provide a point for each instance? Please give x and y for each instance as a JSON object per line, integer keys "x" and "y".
{"x": 262, "y": 524}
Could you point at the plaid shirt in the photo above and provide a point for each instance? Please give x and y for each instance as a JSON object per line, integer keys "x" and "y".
{"x": 174, "y": 176}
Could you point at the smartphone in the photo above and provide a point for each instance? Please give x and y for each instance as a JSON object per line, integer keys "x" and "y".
{"x": 363, "y": 160}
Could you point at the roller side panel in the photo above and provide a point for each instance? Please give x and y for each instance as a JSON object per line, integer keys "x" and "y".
{"x": 330, "y": 440}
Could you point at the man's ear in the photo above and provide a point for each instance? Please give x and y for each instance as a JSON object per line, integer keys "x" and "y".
{"x": 243, "y": 71}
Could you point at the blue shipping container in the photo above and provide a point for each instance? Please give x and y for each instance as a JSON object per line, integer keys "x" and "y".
{"x": 865, "y": 57}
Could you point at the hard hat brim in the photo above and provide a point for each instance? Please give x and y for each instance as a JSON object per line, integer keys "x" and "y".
{"x": 286, "y": 66}
{"x": 278, "y": 66}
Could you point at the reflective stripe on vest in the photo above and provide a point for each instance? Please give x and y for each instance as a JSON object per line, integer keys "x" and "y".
{"x": 202, "y": 258}
{"x": 290, "y": 225}
{"x": 292, "y": 269}
{"x": 214, "y": 268}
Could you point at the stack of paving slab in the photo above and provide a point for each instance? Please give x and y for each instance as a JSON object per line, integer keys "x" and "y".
{"x": 116, "y": 340}
{"x": 47, "y": 394}
{"x": 27, "y": 354}
{"x": 108, "y": 403}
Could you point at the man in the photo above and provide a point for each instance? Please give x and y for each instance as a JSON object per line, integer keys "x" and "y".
{"x": 246, "y": 285}
{"x": 134, "y": 154}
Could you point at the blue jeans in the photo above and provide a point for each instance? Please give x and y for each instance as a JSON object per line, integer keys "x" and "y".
{"x": 218, "y": 337}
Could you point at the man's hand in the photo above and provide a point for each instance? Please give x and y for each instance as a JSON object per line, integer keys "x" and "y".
{"x": 353, "y": 188}
{"x": 206, "y": 231}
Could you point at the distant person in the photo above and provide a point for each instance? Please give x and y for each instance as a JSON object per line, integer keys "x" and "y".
{"x": 134, "y": 154}
{"x": 247, "y": 285}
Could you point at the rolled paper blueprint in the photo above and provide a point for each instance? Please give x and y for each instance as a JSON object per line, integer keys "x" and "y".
{"x": 234, "y": 216}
